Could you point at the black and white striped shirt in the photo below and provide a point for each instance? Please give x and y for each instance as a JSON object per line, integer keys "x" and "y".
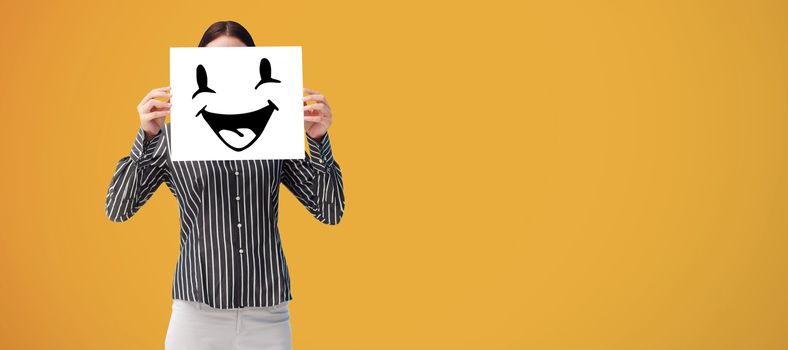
{"x": 230, "y": 250}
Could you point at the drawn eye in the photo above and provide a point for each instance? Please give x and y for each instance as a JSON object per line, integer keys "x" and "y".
{"x": 265, "y": 73}
{"x": 202, "y": 81}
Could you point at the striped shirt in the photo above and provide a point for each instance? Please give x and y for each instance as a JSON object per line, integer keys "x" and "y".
{"x": 230, "y": 251}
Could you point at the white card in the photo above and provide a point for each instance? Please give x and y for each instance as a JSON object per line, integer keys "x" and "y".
{"x": 236, "y": 103}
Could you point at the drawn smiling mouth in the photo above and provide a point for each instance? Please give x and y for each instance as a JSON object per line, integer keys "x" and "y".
{"x": 239, "y": 131}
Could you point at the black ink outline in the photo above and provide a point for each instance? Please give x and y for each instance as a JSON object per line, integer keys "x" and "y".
{"x": 265, "y": 73}
{"x": 202, "y": 81}
{"x": 256, "y": 121}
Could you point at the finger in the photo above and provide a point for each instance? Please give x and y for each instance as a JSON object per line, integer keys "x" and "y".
{"x": 161, "y": 89}
{"x": 314, "y": 119}
{"x": 157, "y": 103}
{"x": 155, "y": 94}
{"x": 157, "y": 120}
{"x": 318, "y": 98}
{"x": 148, "y": 106}
{"x": 310, "y": 91}
{"x": 315, "y": 107}
{"x": 154, "y": 109}
{"x": 156, "y": 114}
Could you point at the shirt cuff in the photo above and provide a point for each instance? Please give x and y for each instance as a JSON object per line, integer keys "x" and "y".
{"x": 320, "y": 152}
{"x": 143, "y": 150}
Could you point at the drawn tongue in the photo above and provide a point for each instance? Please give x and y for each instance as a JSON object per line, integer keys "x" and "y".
{"x": 237, "y": 138}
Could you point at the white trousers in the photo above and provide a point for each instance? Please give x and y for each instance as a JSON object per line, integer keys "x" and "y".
{"x": 197, "y": 326}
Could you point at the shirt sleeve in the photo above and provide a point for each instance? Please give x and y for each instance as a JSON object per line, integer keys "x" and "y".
{"x": 137, "y": 176}
{"x": 317, "y": 181}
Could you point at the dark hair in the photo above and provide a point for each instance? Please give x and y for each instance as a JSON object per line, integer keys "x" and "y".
{"x": 228, "y": 28}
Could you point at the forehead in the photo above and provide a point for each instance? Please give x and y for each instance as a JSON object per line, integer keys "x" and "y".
{"x": 226, "y": 41}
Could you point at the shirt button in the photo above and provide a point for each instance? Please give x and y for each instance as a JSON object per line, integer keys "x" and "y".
{"x": 239, "y": 224}
{"x": 237, "y": 198}
{"x": 236, "y": 173}
{"x": 240, "y": 251}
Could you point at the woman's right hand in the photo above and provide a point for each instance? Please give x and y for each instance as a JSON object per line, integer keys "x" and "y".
{"x": 153, "y": 112}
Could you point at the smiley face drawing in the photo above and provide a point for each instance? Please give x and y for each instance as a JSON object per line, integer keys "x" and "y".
{"x": 237, "y": 131}
{"x": 237, "y": 103}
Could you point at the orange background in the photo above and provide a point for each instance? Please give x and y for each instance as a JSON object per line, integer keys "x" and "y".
{"x": 548, "y": 175}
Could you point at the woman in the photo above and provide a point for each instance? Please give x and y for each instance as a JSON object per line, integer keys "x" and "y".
{"x": 231, "y": 285}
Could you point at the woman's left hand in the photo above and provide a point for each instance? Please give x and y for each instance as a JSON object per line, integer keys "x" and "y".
{"x": 317, "y": 116}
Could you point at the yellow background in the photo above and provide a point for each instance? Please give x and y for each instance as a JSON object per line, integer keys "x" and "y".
{"x": 524, "y": 175}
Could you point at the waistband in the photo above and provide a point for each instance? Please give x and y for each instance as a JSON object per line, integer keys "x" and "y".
{"x": 205, "y": 307}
